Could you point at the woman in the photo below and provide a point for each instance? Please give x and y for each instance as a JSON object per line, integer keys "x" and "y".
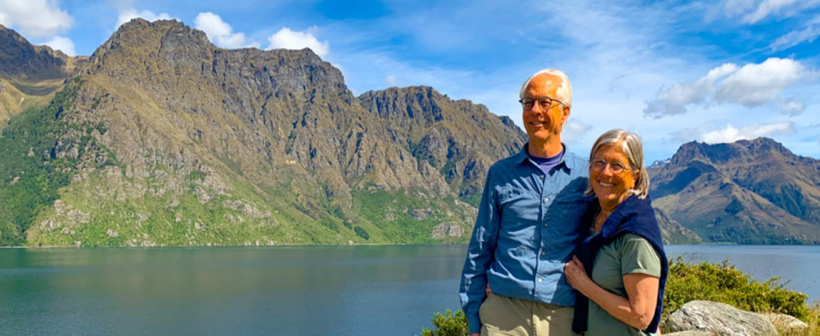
{"x": 621, "y": 267}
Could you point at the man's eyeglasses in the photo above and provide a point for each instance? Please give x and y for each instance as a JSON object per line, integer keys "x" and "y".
{"x": 615, "y": 167}
{"x": 545, "y": 102}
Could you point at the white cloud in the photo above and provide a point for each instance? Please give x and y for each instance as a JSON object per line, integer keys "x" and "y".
{"x": 35, "y": 18}
{"x": 731, "y": 134}
{"x": 790, "y": 106}
{"x": 574, "y": 130}
{"x": 63, "y": 44}
{"x": 288, "y": 39}
{"x": 129, "y": 13}
{"x": 757, "y": 84}
{"x": 221, "y": 33}
{"x": 737, "y": 7}
{"x": 391, "y": 80}
{"x": 685, "y": 135}
{"x": 750, "y": 85}
{"x": 754, "y": 11}
{"x": 795, "y": 37}
{"x": 673, "y": 101}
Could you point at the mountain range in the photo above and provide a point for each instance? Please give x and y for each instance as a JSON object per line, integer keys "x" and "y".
{"x": 750, "y": 192}
{"x": 160, "y": 138}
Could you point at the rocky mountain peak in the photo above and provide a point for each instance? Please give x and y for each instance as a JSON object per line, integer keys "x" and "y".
{"x": 724, "y": 152}
{"x": 750, "y": 191}
{"x": 165, "y": 50}
{"x": 763, "y": 145}
{"x": 687, "y": 152}
{"x": 413, "y": 105}
{"x": 140, "y": 42}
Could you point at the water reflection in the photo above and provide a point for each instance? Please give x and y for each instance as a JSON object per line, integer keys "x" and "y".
{"x": 284, "y": 291}
{"x": 364, "y": 290}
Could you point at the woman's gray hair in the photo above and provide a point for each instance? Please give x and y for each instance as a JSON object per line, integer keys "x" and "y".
{"x": 632, "y": 147}
{"x": 564, "y": 92}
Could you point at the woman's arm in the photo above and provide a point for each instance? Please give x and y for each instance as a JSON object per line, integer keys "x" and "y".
{"x": 637, "y": 309}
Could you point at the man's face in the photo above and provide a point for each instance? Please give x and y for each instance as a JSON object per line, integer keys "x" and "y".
{"x": 544, "y": 124}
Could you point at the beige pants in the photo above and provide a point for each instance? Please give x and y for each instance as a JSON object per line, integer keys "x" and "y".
{"x": 502, "y": 315}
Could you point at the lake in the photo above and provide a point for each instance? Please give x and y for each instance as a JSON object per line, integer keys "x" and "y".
{"x": 344, "y": 290}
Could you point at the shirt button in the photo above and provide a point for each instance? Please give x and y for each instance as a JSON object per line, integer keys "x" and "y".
{"x": 540, "y": 280}
{"x": 543, "y": 253}
{"x": 542, "y": 177}
{"x": 546, "y": 225}
{"x": 546, "y": 200}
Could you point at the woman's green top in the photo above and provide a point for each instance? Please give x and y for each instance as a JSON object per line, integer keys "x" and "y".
{"x": 626, "y": 254}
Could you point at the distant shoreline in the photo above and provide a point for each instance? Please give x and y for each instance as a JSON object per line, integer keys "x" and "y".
{"x": 329, "y": 245}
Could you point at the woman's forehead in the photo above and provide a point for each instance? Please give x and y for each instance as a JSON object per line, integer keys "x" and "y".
{"x": 611, "y": 150}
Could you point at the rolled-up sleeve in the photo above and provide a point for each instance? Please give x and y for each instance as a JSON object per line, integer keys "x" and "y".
{"x": 480, "y": 255}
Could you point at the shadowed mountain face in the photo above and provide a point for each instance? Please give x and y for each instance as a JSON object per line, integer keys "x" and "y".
{"x": 457, "y": 138}
{"x": 20, "y": 60}
{"x": 29, "y": 75}
{"x": 162, "y": 138}
{"x": 745, "y": 192}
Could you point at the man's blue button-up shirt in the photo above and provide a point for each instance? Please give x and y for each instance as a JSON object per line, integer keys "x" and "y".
{"x": 526, "y": 230}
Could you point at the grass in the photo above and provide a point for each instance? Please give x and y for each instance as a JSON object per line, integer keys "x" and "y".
{"x": 404, "y": 216}
{"x": 812, "y": 318}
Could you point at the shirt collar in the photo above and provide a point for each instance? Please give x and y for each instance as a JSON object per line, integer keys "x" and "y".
{"x": 522, "y": 157}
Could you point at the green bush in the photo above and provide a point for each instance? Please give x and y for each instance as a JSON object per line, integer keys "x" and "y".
{"x": 724, "y": 283}
{"x": 688, "y": 282}
{"x": 448, "y": 324}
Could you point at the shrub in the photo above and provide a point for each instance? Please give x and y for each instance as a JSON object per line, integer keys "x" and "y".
{"x": 724, "y": 283}
{"x": 448, "y": 324}
{"x": 701, "y": 281}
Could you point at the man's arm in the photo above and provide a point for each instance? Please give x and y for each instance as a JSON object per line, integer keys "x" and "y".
{"x": 479, "y": 256}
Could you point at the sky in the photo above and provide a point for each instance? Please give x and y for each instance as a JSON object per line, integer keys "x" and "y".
{"x": 672, "y": 71}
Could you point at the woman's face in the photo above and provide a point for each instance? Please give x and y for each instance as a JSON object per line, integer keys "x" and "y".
{"x": 608, "y": 186}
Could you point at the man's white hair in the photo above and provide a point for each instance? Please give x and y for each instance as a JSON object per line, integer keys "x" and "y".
{"x": 564, "y": 91}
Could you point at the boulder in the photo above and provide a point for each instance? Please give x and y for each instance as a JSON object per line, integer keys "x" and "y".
{"x": 691, "y": 333}
{"x": 786, "y": 323}
{"x": 719, "y": 318}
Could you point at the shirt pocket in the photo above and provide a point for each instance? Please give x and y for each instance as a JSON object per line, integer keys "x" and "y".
{"x": 563, "y": 220}
{"x": 519, "y": 209}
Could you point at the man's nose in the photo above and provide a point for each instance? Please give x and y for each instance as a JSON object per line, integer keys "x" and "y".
{"x": 536, "y": 108}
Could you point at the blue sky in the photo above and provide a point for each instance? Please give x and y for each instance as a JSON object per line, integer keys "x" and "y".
{"x": 673, "y": 71}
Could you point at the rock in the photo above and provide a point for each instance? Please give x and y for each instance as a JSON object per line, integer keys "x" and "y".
{"x": 720, "y": 318}
{"x": 786, "y": 323}
{"x": 451, "y": 229}
{"x": 691, "y": 333}
{"x": 112, "y": 233}
{"x": 421, "y": 214}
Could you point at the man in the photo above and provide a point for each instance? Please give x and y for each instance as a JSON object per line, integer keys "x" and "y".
{"x": 527, "y": 224}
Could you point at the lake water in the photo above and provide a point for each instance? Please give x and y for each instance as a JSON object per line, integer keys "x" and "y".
{"x": 363, "y": 290}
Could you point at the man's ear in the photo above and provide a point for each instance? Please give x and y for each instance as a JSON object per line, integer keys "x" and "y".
{"x": 566, "y": 114}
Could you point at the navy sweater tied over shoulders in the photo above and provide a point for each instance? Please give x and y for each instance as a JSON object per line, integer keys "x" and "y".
{"x": 633, "y": 215}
